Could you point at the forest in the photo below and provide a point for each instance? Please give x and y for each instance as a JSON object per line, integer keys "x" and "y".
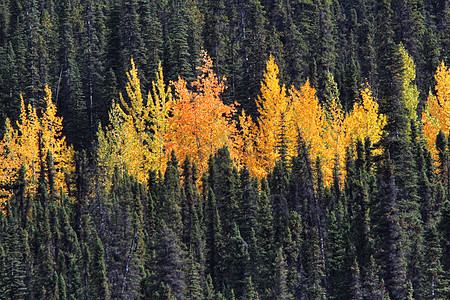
{"x": 212, "y": 149}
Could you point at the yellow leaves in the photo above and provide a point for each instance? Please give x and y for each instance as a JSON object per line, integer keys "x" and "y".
{"x": 364, "y": 120}
{"x": 410, "y": 93}
{"x": 160, "y": 105}
{"x": 246, "y": 142}
{"x": 326, "y": 130}
{"x": 21, "y": 146}
{"x": 436, "y": 116}
{"x": 136, "y": 136}
{"x": 275, "y": 121}
{"x": 197, "y": 123}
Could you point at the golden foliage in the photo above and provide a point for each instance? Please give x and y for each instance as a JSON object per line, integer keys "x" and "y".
{"x": 364, "y": 119}
{"x": 275, "y": 120}
{"x": 309, "y": 118}
{"x": 410, "y": 93}
{"x": 247, "y": 142}
{"x": 135, "y": 137}
{"x": 326, "y": 130}
{"x": 436, "y": 115}
{"x": 200, "y": 122}
{"x": 21, "y": 146}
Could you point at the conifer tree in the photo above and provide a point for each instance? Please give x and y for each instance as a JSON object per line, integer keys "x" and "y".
{"x": 169, "y": 266}
{"x": 238, "y": 259}
{"x": 435, "y": 282}
{"x": 214, "y": 241}
{"x": 391, "y": 252}
{"x": 69, "y": 95}
{"x": 98, "y": 276}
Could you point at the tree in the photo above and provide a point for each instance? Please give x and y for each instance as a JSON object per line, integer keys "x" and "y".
{"x": 21, "y": 146}
{"x": 100, "y": 287}
{"x": 310, "y": 119}
{"x": 364, "y": 120}
{"x": 436, "y": 115}
{"x": 393, "y": 266}
{"x": 135, "y": 139}
{"x": 200, "y": 122}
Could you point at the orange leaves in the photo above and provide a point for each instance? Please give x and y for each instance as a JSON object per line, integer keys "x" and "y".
{"x": 436, "y": 116}
{"x": 21, "y": 146}
{"x": 200, "y": 122}
{"x": 247, "y": 142}
{"x": 196, "y": 123}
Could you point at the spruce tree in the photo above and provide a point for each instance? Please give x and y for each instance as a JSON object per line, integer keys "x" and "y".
{"x": 388, "y": 224}
{"x": 435, "y": 281}
{"x": 98, "y": 277}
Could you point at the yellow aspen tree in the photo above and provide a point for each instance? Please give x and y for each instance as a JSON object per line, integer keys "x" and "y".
{"x": 364, "y": 120}
{"x": 410, "y": 93}
{"x": 9, "y": 148}
{"x": 21, "y": 146}
{"x": 28, "y": 129}
{"x": 275, "y": 112}
{"x": 51, "y": 128}
{"x": 335, "y": 141}
{"x": 246, "y": 142}
{"x": 436, "y": 115}
{"x": 160, "y": 105}
{"x": 309, "y": 118}
{"x": 136, "y": 136}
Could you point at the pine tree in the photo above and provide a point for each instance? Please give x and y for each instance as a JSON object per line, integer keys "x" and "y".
{"x": 193, "y": 279}
{"x": 391, "y": 253}
{"x": 214, "y": 241}
{"x": 98, "y": 276}
{"x": 170, "y": 263}
{"x": 172, "y": 197}
{"x": 280, "y": 288}
{"x": 14, "y": 268}
{"x": 435, "y": 283}
{"x": 177, "y": 56}
{"x": 315, "y": 266}
{"x": 69, "y": 93}
{"x": 237, "y": 262}
{"x": 254, "y": 44}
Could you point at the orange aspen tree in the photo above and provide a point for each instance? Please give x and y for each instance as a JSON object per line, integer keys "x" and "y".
{"x": 200, "y": 123}
{"x": 247, "y": 141}
{"x": 436, "y": 115}
{"x": 21, "y": 146}
{"x": 275, "y": 112}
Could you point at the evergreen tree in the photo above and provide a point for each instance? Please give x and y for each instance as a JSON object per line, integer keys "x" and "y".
{"x": 99, "y": 280}
{"x": 69, "y": 95}
{"x": 14, "y": 259}
{"x": 238, "y": 259}
{"x": 169, "y": 264}
{"x": 391, "y": 255}
{"x": 177, "y": 56}
{"x": 434, "y": 279}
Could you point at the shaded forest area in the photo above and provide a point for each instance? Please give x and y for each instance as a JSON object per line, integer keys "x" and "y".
{"x": 312, "y": 144}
